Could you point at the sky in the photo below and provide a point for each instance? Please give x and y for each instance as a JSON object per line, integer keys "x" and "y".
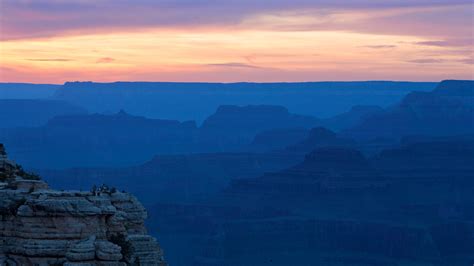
{"x": 54, "y": 41}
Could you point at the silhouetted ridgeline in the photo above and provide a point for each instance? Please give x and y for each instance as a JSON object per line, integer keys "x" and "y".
{"x": 123, "y": 139}
{"x": 389, "y": 185}
{"x": 352, "y": 117}
{"x": 95, "y": 140}
{"x": 319, "y": 137}
{"x": 33, "y": 113}
{"x": 459, "y": 88}
{"x": 27, "y": 90}
{"x": 280, "y": 138}
{"x": 196, "y": 101}
{"x": 448, "y": 110}
{"x": 232, "y": 127}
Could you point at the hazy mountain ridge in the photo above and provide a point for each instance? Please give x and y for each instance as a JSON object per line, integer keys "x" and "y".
{"x": 196, "y": 101}
{"x": 339, "y": 207}
{"x": 448, "y": 110}
{"x": 320, "y": 137}
{"x": 385, "y": 191}
{"x": 234, "y": 127}
{"x": 351, "y": 118}
{"x": 34, "y": 112}
{"x": 97, "y": 140}
{"x": 27, "y": 90}
{"x": 124, "y": 139}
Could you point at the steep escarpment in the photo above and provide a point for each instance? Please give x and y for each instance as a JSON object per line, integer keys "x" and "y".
{"x": 41, "y": 226}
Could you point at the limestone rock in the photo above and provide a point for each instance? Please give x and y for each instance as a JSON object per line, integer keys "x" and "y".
{"x": 82, "y": 251}
{"x": 41, "y": 226}
{"x": 108, "y": 251}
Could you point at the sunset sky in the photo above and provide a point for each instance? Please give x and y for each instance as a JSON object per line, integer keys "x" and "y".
{"x": 53, "y": 41}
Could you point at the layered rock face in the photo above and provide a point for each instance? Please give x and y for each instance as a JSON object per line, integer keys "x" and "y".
{"x": 41, "y": 226}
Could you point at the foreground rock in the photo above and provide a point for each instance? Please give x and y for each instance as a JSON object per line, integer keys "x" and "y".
{"x": 41, "y": 226}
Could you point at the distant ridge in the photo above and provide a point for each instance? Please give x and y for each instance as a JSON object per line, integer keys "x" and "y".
{"x": 447, "y": 110}
{"x": 160, "y": 84}
{"x": 27, "y": 90}
{"x": 196, "y": 101}
{"x": 33, "y": 112}
{"x": 456, "y": 88}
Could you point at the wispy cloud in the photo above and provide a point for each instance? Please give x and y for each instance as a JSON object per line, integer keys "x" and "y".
{"x": 43, "y": 18}
{"x": 433, "y": 43}
{"x": 245, "y": 39}
{"x": 448, "y": 43}
{"x": 426, "y": 61}
{"x": 6, "y": 69}
{"x": 49, "y": 59}
{"x": 234, "y": 64}
{"x": 382, "y": 46}
{"x": 105, "y": 60}
{"x": 469, "y": 61}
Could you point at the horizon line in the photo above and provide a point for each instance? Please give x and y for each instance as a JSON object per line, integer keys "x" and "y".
{"x": 237, "y": 82}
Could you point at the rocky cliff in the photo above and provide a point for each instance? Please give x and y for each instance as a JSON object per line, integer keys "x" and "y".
{"x": 41, "y": 226}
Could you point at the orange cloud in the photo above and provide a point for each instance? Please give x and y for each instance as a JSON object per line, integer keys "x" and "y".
{"x": 296, "y": 45}
{"x": 105, "y": 60}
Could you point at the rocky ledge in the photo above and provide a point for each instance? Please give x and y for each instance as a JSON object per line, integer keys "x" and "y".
{"x": 41, "y": 226}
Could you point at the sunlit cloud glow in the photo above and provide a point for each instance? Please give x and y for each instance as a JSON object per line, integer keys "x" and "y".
{"x": 58, "y": 41}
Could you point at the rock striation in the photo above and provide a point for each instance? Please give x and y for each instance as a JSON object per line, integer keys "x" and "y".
{"x": 41, "y": 226}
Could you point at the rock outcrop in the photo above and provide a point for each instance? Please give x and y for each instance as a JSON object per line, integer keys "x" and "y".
{"x": 41, "y": 226}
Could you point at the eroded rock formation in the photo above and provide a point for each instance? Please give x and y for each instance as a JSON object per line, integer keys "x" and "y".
{"x": 41, "y": 226}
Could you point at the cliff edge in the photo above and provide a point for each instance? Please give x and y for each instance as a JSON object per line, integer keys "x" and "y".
{"x": 41, "y": 226}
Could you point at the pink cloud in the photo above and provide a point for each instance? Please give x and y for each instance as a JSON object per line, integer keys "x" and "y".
{"x": 105, "y": 60}
{"x": 44, "y": 18}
